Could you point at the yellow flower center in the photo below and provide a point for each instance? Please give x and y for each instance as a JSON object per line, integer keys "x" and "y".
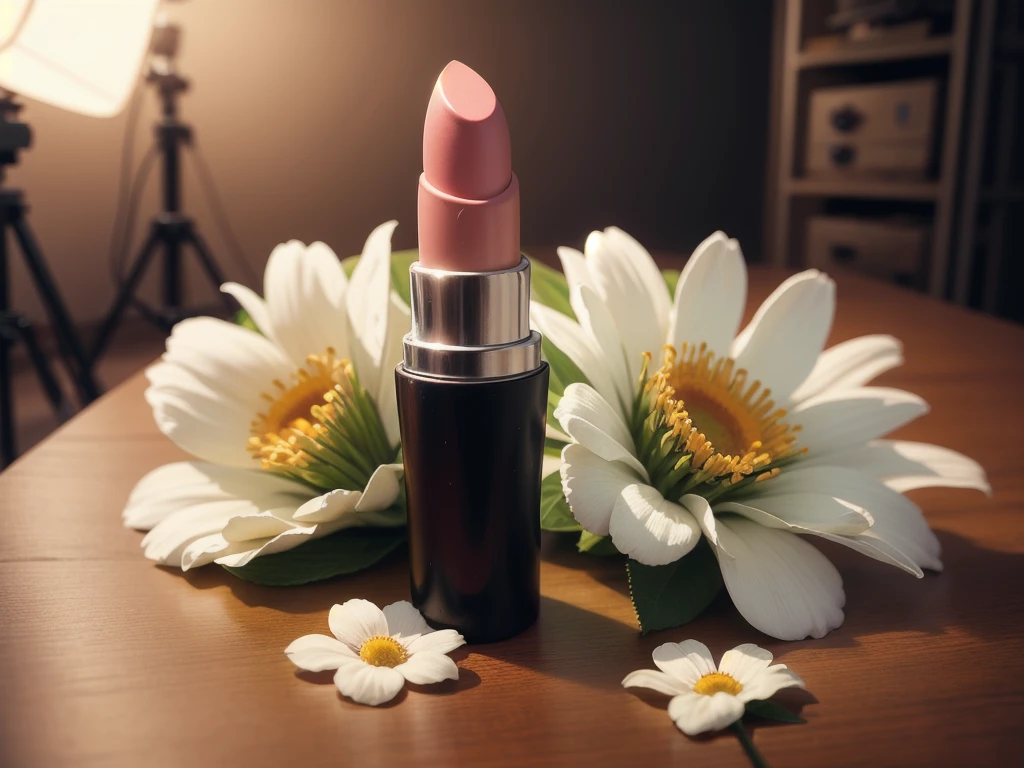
{"x": 322, "y": 429}
{"x": 732, "y": 413}
{"x": 383, "y": 651}
{"x": 717, "y": 682}
{"x": 702, "y": 422}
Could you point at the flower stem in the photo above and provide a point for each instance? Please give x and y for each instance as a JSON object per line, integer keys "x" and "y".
{"x": 748, "y": 746}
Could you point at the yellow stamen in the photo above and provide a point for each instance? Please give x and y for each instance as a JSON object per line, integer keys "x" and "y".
{"x": 708, "y": 409}
{"x": 383, "y": 651}
{"x": 277, "y": 433}
{"x": 717, "y": 682}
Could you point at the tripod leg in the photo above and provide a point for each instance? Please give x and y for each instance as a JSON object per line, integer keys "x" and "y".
{"x": 67, "y": 338}
{"x": 43, "y": 370}
{"x": 125, "y": 294}
{"x": 209, "y": 265}
{"x": 8, "y": 443}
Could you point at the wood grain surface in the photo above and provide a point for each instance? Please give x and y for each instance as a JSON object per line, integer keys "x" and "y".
{"x": 107, "y": 659}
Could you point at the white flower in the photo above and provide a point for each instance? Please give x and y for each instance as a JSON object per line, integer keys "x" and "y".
{"x": 706, "y": 697}
{"x": 376, "y": 652}
{"x": 686, "y": 453}
{"x": 295, "y": 428}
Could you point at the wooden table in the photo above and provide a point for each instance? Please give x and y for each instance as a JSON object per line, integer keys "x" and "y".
{"x": 107, "y": 659}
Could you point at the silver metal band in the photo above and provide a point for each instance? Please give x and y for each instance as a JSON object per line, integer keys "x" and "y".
{"x": 471, "y": 325}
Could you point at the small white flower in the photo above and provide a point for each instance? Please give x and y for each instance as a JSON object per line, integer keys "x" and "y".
{"x": 375, "y": 651}
{"x": 706, "y": 697}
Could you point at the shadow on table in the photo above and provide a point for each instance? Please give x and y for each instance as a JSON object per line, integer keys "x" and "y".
{"x": 383, "y": 583}
{"x": 971, "y": 596}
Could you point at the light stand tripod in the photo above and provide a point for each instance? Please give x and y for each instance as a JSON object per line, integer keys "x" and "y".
{"x": 15, "y": 327}
{"x": 170, "y": 229}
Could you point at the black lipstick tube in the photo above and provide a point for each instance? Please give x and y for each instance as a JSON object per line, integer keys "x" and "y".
{"x": 472, "y": 402}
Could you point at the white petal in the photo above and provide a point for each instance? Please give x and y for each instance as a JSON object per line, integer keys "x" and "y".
{"x": 205, "y": 393}
{"x": 769, "y": 682}
{"x": 426, "y": 668}
{"x": 744, "y": 662}
{"x": 705, "y": 517}
{"x": 807, "y": 512}
{"x": 687, "y": 662}
{"x": 238, "y": 554}
{"x": 399, "y": 324}
{"x": 782, "y": 342}
{"x": 710, "y": 296}
{"x": 574, "y": 267}
{"x": 366, "y": 684}
{"x": 597, "y": 320}
{"x": 305, "y": 291}
{"x": 591, "y": 421}
{"x": 332, "y": 505}
{"x": 693, "y": 713}
{"x": 262, "y": 525}
{"x": 647, "y": 272}
{"x": 253, "y": 305}
{"x": 550, "y": 465}
{"x": 355, "y": 507}
{"x": 895, "y": 518}
{"x": 851, "y": 364}
{"x": 355, "y": 621}
{"x": 655, "y": 680}
{"x": 369, "y": 302}
{"x": 194, "y": 500}
{"x": 316, "y": 653}
{"x": 441, "y": 641}
{"x": 839, "y": 419}
{"x": 592, "y": 485}
{"x": 650, "y": 529}
{"x": 206, "y": 549}
{"x": 781, "y": 585}
{"x": 906, "y": 466}
{"x": 404, "y": 621}
{"x": 570, "y": 338}
{"x": 618, "y": 283}
{"x": 180, "y": 485}
{"x": 867, "y": 542}
{"x": 381, "y": 489}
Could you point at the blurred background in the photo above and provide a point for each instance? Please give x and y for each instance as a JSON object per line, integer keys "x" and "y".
{"x": 877, "y": 136}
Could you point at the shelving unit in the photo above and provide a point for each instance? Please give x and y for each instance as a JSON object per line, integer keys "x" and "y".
{"x": 792, "y": 198}
{"x": 922, "y": 49}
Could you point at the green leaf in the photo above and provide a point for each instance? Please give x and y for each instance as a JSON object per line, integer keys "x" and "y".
{"x": 592, "y": 544}
{"x": 555, "y": 514}
{"x": 242, "y": 318}
{"x": 672, "y": 595}
{"x": 548, "y": 287}
{"x": 400, "y": 263}
{"x": 563, "y": 370}
{"x": 771, "y": 710}
{"x": 344, "y": 552}
{"x": 671, "y": 279}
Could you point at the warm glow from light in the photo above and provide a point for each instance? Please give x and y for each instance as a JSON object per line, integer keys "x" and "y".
{"x": 80, "y": 55}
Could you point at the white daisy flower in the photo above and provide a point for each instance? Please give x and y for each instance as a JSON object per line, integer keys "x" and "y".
{"x": 706, "y": 697}
{"x": 295, "y": 428}
{"x": 376, "y": 651}
{"x": 687, "y": 452}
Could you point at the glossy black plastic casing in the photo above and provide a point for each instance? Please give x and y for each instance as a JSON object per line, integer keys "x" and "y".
{"x": 473, "y": 450}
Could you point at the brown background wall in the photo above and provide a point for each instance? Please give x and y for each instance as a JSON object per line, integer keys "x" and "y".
{"x": 651, "y": 116}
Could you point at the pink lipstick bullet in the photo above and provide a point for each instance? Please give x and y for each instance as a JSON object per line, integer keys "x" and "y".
{"x": 472, "y": 388}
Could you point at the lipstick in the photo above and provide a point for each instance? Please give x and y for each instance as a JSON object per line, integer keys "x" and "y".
{"x": 472, "y": 388}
